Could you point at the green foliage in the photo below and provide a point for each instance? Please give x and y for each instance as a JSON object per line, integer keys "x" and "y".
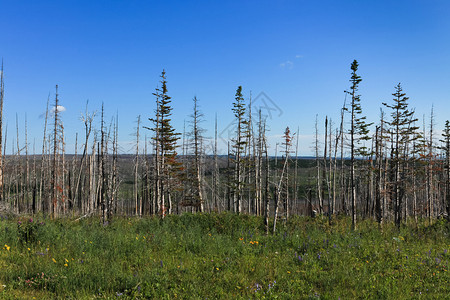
{"x": 359, "y": 128}
{"x": 27, "y": 230}
{"x": 242, "y": 130}
{"x": 402, "y": 122}
{"x": 226, "y": 256}
{"x": 239, "y": 105}
{"x": 166, "y": 134}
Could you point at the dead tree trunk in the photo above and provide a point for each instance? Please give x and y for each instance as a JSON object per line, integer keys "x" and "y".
{"x": 318, "y": 180}
{"x": 138, "y": 212}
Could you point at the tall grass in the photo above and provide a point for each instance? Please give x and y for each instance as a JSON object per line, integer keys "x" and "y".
{"x": 222, "y": 256}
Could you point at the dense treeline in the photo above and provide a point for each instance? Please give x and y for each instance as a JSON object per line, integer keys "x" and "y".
{"x": 398, "y": 172}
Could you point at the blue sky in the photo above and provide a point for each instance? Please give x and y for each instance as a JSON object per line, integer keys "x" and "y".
{"x": 297, "y": 52}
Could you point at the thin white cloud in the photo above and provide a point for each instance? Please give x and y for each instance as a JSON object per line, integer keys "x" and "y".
{"x": 52, "y": 111}
{"x": 60, "y": 109}
{"x": 287, "y": 64}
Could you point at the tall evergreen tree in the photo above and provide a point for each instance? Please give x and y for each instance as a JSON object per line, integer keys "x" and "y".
{"x": 239, "y": 143}
{"x": 165, "y": 139}
{"x": 402, "y": 130}
{"x": 358, "y": 132}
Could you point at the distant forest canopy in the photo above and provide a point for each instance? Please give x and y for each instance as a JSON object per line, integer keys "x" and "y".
{"x": 398, "y": 171}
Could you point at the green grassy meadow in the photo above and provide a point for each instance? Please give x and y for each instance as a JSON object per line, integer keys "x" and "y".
{"x": 221, "y": 256}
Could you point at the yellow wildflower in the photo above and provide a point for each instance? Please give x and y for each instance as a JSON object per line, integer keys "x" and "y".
{"x": 7, "y": 247}
{"x": 65, "y": 265}
{"x": 54, "y": 260}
